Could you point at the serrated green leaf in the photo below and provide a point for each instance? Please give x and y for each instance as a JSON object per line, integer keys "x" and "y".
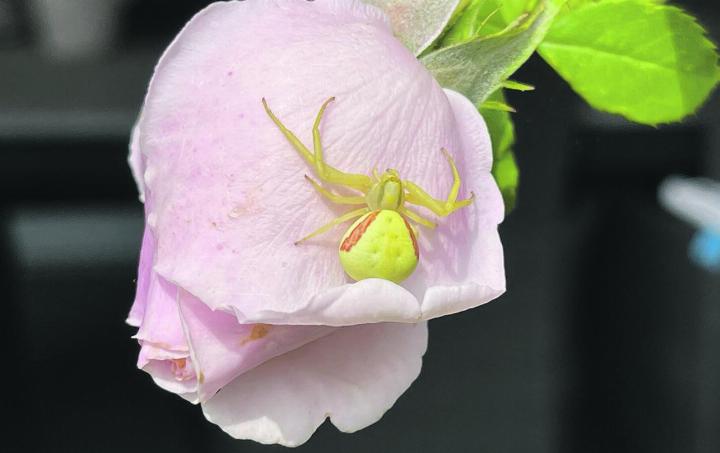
{"x": 502, "y": 135}
{"x": 648, "y": 62}
{"x": 477, "y": 68}
{"x": 417, "y": 23}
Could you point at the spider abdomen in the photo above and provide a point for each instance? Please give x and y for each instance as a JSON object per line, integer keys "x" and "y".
{"x": 380, "y": 244}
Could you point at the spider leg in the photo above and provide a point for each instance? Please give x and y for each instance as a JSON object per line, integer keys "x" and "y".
{"x": 452, "y": 196}
{"x": 415, "y": 230}
{"x": 417, "y": 218}
{"x": 417, "y": 196}
{"x": 328, "y": 173}
{"x": 343, "y": 218}
{"x": 325, "y": 172}
{"x": 335, "y": 198}
{"x": 317, "y": 145}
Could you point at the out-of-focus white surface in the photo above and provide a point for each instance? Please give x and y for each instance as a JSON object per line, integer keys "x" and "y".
{"x": 70, "y": 29}
{"x": 74, "y": 236}
{"x": 695, "y": 200}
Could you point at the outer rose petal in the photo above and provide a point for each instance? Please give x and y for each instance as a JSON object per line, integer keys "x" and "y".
{"x": 147, "y": 248}
{"x": 147, "y": 252}
{"x": 136, "y": 162}
{"x": 352, "y": 376}
{"x": 192, "y": 351}
{"x": 161, "y": 324}
{"x": 162, "y": 340}
{"x": 222, "y": 349}
{"x": 162, "y": 369}
{"x": 476, "y": 270}
{"x": 226, "y": 193}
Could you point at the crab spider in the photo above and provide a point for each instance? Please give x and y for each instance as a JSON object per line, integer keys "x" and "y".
{"x": 381, "y": 243}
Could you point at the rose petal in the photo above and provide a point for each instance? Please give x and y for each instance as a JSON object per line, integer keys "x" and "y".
{"x": 352, "y": 376}
{"x": 147, "y": 248}
{"x": 161, "y": 324}
{"x": 470, "y": 241}
{"x": 136, "y": 161}
{"x": 165, "y": 378}
{"x": 164, "y": 352}
{"x": 226, "y": 193}
{"x": 147, "y": 252}
{"x": 222, "y": 349}
{"x": 150, "y": 352}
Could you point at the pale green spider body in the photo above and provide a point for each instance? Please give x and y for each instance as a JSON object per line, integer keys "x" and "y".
{"x": 381, "y": 243}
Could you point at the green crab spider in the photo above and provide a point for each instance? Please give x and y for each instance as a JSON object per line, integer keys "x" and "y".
{"x": 381, "y": 243}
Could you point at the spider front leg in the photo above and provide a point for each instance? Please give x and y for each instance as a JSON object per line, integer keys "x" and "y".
{"x": 342, "y": 219}
{"x": 335, "y": 198}
{"x": 417, "y": 218}
{"x": 324, "y": 171}
{"x": 417, "y": 196}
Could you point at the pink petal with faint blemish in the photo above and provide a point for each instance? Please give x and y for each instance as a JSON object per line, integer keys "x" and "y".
{"x": 226, "y": 190}
{"x": 165, "y": 374}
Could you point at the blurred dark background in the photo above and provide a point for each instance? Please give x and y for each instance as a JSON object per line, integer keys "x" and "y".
{"x": 607, "y": 340}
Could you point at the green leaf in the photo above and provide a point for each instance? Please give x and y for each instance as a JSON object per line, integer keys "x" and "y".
{"x": 477, "y": 67}
{"x": 648, "y": 62}
{"x": 507, "y": 176}
{"x": 417, "y": 23}
{"x": 502, "y": 135}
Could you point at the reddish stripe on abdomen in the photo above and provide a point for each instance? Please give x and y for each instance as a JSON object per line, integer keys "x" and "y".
{"x": 357, "y": 233}
{"x": 414, "y": 239}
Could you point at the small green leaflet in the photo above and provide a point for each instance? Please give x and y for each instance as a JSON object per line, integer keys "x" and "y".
{"x": 484, "y": 18}
{"x": 574, "y": 4}
{"x": 495, "y": 105}
{"x": 502, "y": 135}
{"x": 649, "y": 62}
{"x": 477, "y": 67}
{"x": 517, "y": 86}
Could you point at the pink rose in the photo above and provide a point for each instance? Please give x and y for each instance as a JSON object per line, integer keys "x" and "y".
{"x": 269, "y": 337}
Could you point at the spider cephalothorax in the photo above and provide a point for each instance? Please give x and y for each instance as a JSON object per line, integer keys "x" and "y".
{"x": 381, "y": 243}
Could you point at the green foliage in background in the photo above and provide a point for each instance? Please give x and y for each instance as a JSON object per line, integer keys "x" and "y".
{"x": 643, "y": 59}
{"x": 502, "y": 135}
{"x": 650, "y": 63}
{"x": 489, "y": 41}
